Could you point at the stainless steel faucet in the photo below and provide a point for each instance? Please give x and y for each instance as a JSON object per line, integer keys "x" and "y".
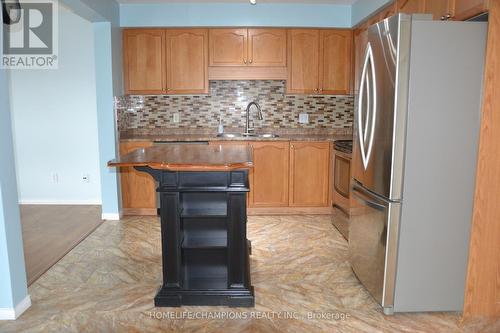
{"x": 247, "y": 124}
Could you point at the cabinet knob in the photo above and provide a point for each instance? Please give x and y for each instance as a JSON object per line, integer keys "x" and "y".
{"x": 251, "y": 60}
{"x": 292, "y": 147}
{"x": 244, "y": 61}
{"x": 446, "y": 17}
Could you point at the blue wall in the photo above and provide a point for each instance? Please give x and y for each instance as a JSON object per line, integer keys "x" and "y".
{"x": 106, "y": 116}
{"x": 107, "y": 38}
{"x": 12, "y": 270}
{"x": 55, "y": 123}
{"x": 364, "y": 8}
{"x": 237, "y": 14}
{"x": 108, "y": 69}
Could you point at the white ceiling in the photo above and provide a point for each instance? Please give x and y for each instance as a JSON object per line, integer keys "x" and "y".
{"x": 335, "y": 2}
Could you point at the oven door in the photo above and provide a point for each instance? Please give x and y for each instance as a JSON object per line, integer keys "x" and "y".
{"x": 342, "y": 175}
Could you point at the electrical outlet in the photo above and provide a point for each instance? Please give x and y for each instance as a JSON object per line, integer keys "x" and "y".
{"x": 176, "y": 118}
{"x": 304, "y": 118}
{"x": 55, "y": 178}
{"x": 86, "y": 178}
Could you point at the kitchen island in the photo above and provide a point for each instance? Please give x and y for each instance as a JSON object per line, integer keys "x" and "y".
{"x": 205, "y": 251}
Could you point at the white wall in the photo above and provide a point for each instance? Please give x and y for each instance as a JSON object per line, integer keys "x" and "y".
{"x": 55, "y": 121}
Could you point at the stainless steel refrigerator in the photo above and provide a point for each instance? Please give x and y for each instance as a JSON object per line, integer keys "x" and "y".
{"x": 416, "y": 134}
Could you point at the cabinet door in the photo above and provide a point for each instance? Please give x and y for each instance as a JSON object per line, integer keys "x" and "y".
{"x": 309, "y": 174}
{"x": 144, "y": 61}
{"x": 335, "y": 61}
{"x": 269, "y": 186}
{"x": 303, "y": 61}
{"x": 439, "y": 8}
{"x": 464, "y": 9}
{"x": 138, "y": 188}
{"x": 187, "y": 61}
{"x": 228, "y": 47}
{"x": 267, "y": 47}
{"x": 411, "y": 6}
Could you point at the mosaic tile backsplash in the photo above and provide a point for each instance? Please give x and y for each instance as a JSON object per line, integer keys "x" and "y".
{"x": 228, "y": 100}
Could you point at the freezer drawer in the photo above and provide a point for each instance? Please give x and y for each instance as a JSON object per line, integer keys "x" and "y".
{"x": 373, "y": 244}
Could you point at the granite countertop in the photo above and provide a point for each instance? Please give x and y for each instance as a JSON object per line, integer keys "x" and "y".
{"x": 207, "y": 135}
{"x": 188, "y": 158}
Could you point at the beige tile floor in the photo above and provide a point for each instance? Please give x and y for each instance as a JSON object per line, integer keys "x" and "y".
{"x": 299, "y": 269}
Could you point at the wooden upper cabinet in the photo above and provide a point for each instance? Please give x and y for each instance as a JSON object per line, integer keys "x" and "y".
{"x": 309, "y": 174}
{"x": 464, "y": 9}
{"x": 267, "y": 47}
{"x": 248, "y": 47}
{"x": 360, "y": 42}
{"x": 303, "y": 61}
{"x": 144, "y": 61}
{"x": 187, "y": 61}
{"x": 269, "y": 181}
{"x": 335, "y": 61}
{"x": 228, "y": 47}
{"x": 411, "y": 6}
{"x": 440, "y": 9}
{"x": 138, "y": 188}
{"x": 387, "y": 12}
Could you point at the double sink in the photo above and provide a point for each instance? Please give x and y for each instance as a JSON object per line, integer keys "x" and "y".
{"x": 247, "y": 135}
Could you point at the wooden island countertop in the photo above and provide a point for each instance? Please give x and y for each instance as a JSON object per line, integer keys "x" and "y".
{"x": 182, "y": 157}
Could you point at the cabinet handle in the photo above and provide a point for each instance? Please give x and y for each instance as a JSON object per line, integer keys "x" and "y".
{"x": 245, "y": 61}
{"x": 251, "y": 60}
{"x": 292, "y": 147}
{"x": 446, "y": 17}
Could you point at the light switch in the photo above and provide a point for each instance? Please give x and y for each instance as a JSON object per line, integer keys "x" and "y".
{"x": 176, "y": 118}
{"x": 304, "y": 118}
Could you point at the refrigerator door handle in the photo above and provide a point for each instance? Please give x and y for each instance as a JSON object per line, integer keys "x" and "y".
{"x": 360, "y": 195}
{"x": 368, "y": 83}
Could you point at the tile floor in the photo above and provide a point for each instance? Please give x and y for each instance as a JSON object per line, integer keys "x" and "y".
{"x": 302, "y": 280}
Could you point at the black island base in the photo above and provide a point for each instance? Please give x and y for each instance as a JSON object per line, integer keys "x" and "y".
{"x": 205, "y": 251}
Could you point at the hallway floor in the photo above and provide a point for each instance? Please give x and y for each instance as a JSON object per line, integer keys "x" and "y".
{"x": 302, "y": 280}
{"x": 51, "y": 231}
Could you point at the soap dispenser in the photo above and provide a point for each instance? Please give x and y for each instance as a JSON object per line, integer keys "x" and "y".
{"x": 220, "y": 130}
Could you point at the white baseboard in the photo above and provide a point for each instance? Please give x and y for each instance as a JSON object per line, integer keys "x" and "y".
{"x": 61, "y": 202}
{"x": 14, "y": 313}
{"x": 111, "y": 216}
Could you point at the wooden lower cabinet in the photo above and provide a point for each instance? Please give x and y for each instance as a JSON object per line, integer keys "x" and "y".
{"x": 309, "y": 174}
{"x": 269, "y": 179}
{"x": 287, "y": 178}
{"x": 138, "y": 188}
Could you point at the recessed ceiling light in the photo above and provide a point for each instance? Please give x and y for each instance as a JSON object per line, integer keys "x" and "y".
{"x": 253, "y": 2}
